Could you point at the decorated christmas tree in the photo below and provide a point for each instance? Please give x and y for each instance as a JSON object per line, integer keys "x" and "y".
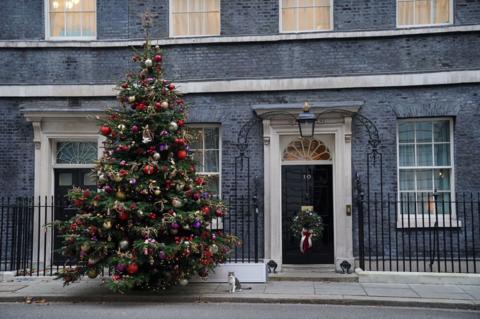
{"x": 150, "y": 220}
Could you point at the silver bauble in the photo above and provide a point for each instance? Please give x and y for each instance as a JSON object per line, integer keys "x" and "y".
{"x": 183, "y": 282}
{"x": 173, "y": 126}
{"x": 176, "y": 203}
{"x": 148, "y": 63}
{"x": 123, "y": 244}
{"x": 214, "y": 249}
{"x": 156, "y": 156}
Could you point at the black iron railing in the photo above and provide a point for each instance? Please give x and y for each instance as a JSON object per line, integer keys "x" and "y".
{"x": 30, "y": 248}
{"x": 424, "y": 232}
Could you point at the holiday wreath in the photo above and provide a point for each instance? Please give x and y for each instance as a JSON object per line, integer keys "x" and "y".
{"x": 307, "y": 226}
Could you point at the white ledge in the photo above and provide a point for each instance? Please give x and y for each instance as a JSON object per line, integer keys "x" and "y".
{"x": 238, "y": 39}
{"x": 257, "y": 85}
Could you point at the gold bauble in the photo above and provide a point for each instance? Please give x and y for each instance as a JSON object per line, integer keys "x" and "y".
{"x": 92, "y": 273}
{"x": 117, "y": 178}
{"x": 157, "y": 192}
{"x": 107, "y": 224}
{"x": 131, "y": 99}
{"x": 164, "y": 105}
{"x": 176, "y": 203}
{"x": 120, "y": 195}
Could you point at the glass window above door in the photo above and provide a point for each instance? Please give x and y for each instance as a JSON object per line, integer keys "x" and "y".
{"x": 76, "y": 152}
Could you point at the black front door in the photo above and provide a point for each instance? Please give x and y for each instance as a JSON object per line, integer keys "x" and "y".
{"x": 307, "y": 185}
{"x": 65, "y": 180}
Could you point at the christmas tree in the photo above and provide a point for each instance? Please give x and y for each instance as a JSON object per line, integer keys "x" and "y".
{"x": 150, "y": 220}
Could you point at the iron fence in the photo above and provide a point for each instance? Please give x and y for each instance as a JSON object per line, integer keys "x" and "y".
{"x": 30, "y": 248}
{"x": 434, "y": 232}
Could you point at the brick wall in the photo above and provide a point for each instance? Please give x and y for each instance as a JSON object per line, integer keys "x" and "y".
{"x": 119, "y": 19}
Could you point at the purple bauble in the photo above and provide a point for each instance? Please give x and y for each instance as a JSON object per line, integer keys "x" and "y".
{"x": 174, "y": 225}
{"x": 205, "y": 195}
{"x": 133, "y": 181}
{"x": 162, "y": 147}
{"x": 197, "y": 224}
{"x": 161, "y": 255}
{"x": 164, "y": 133}
{"x": 135, "y": 129}
{"x": 214, "y": 236}
{"x": 108, "y": 188}
{"x": 121, "y": 268}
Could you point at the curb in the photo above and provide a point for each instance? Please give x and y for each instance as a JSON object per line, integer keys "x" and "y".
{"x": 320, "y": 300}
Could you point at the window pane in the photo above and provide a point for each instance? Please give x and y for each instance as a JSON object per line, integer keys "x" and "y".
{"x": 57, "y": 5}
{"x": 426, "y": 204}
{"x": 289, "y": 3}
{"x": 289, "y": 19}
{"x": 405, "y": 12}
{"x": 198, "y": 158}
{"x": 407, "y": 155}
{"x": 211, "y": 138}
{"x": 212, "y": 5}
{"x": 424, "y": 180}
{"x": 211, "y": 161}
{"x": 76, "y": 152}
{"x": 305, "y": 19}
{"x": 406, "y": 132}
{"x": 57, "y": 24}
{"x": 213, "y": 185}
{"x": 442, "y": 154}
{"x": 441, "y": 11}
{"x": 407, "y": 180}
{"x": 180, "y": 24}
{"x": 423, "y": 131}
{"x": 441, "y": 131}
{"x": 197, "y": 138}
{"x": 88, "y": 24}
{"x": 213, "y": 23}
{"x": 88, "y": 5}
{"x": 407, "y": 203}
{"x": 423, "y": 12}
{"x": 73, "y": 24}
{"x": 179, "y": 6}
{"x": 305, "y": 3}
{"x": 65, "y": 179}
{"x": 322, "y": 18}
{"x": 424, "y": 155}
{"x": 88, "y": 179}
{"x": 195, "y": 26}
{"x": 442, "y": 179}
{"x": 443, "y": 203}
{"x": 197, "y": 6}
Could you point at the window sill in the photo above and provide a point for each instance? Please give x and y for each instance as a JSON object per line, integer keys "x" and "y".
{"x": 425, "y": 222}
{"x": 415, "y": 26}
{"x": 79, "y": 39}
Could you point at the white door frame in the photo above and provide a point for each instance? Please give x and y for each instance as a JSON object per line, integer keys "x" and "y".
{"x": 340, "y": 128}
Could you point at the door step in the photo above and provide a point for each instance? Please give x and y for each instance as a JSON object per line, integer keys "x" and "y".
{"x": 325, "y": 273}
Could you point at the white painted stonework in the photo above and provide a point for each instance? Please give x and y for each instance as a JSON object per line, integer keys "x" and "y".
{"x": 245, "y": 272}
{"x": 335, "y": 132}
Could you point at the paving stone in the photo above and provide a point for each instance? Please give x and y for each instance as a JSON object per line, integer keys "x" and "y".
{"x": 11, "y": 288}
{"x": 390, "y": 292}
{"x": 473, "y": 291}
{"x": 352, "y": 289}
{"x": 293, "y": 288}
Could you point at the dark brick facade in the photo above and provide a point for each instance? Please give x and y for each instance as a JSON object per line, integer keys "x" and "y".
{"x": 119, "y": 19}
{"x": 249, "y": 60}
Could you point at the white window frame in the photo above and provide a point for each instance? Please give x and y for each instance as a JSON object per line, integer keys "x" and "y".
{"x": 220, "y": 151}
{"x": 75, "y": 139}
{"x": 170, "y": 24}
{"x": 69, "y": 38}
{"x": 406, "y": 26}
{"x": 280, "y": 20}
{"x": 413, "y": 220}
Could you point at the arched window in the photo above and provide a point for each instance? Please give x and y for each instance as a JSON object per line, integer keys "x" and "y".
{"x": 306, "y": 149}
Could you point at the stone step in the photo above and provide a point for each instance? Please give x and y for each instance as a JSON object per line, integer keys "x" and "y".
{"x": 323, "y": 268}
{"x": 313, "y": 276}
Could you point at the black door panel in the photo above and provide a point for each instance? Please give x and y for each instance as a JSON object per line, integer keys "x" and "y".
{"x": 307, "y": 185}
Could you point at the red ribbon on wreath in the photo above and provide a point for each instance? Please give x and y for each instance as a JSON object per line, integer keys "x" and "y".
{"x": 306, "y": 241}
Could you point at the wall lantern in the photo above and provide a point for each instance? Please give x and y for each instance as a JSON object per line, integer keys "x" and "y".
{"x": 306, "y": 121}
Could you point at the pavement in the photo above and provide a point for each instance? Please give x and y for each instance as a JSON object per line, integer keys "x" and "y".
{"x": 47, "y": 289}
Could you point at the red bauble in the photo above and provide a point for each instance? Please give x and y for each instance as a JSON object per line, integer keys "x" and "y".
{"x": 105, "y": 130}
{"x": 125, "y": 85}
{"x": 140, "y": 107}
{"x": 180, "y": 123}
{"x": 205, "y": 210}
{"x": 158, "y": 106}
{"x": 132, "y": 268}
{"x": 171, "y": 86}
{"x": 180, "y": 141}
{"x": 181, "y": 154}
{"x": 219, "y": 212}
{"x": 157, "y": 58}
{"x": 199, "y": 181}
{"x": 148, "y": 169}
{"x": 123, "y": 216}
